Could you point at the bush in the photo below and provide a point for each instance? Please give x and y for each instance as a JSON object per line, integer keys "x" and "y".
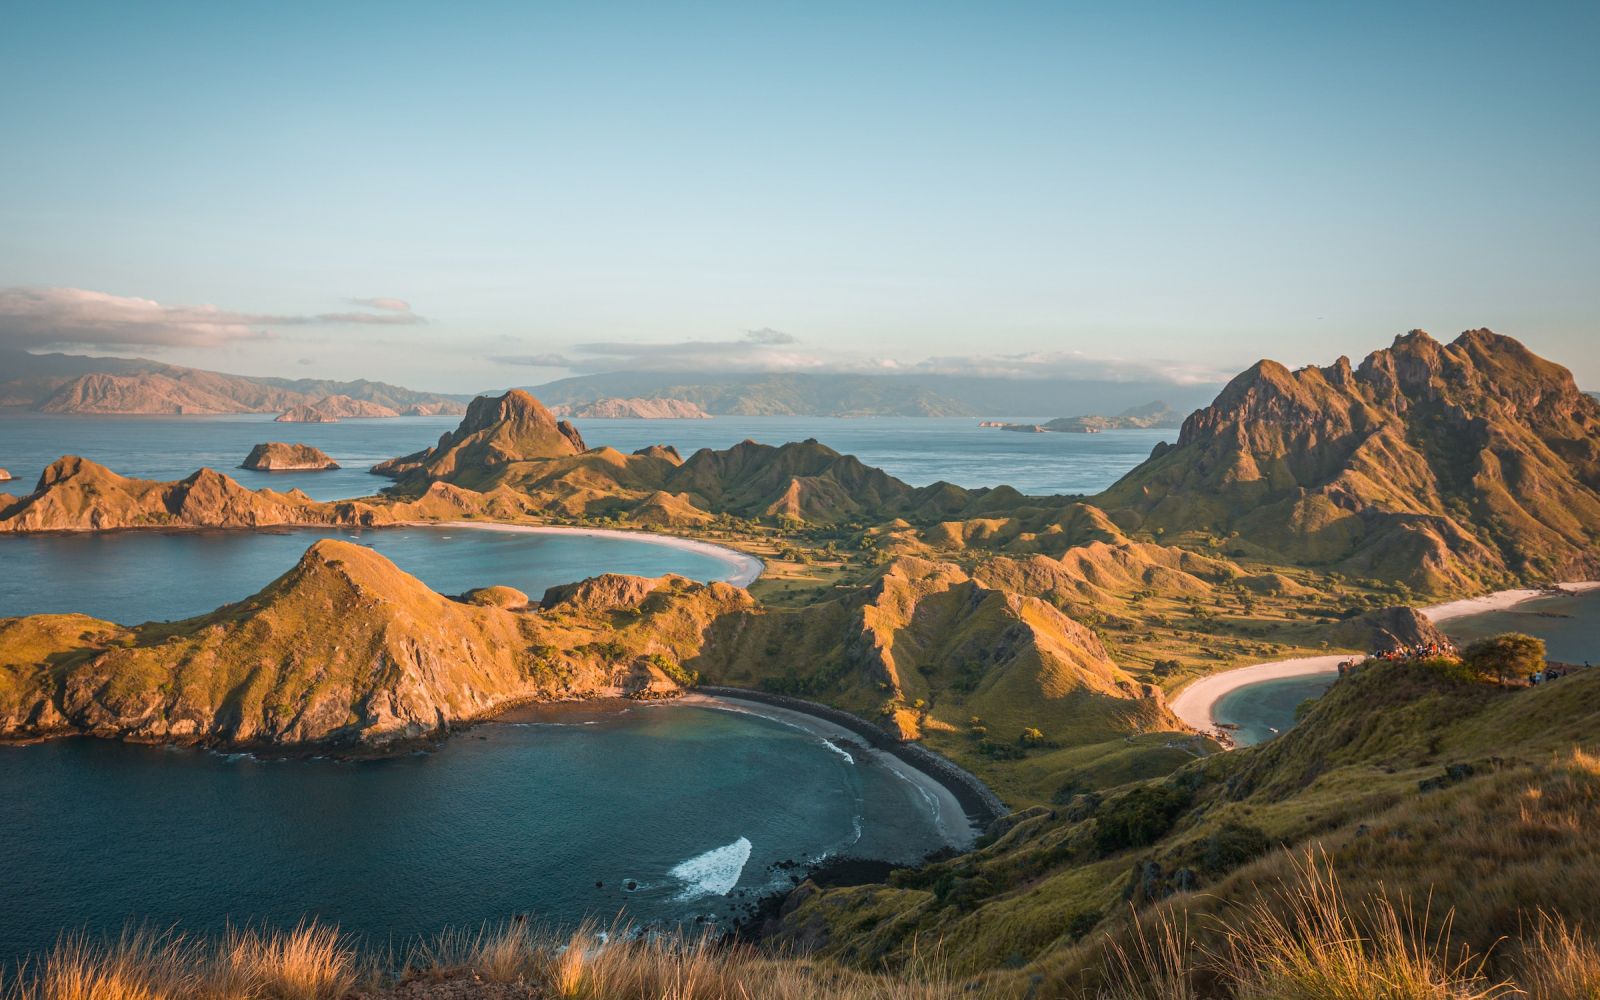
{"x": 1509, "y": 655}
{"x": 1139, "y": 818}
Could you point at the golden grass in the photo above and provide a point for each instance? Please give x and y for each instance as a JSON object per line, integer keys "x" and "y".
{"x": 307, "y": 963}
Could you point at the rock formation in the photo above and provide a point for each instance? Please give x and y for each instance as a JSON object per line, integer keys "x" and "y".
{"x": 5, "y": 477}
{"x": 275, "y": 456}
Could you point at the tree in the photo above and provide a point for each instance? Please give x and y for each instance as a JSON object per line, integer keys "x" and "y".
{"x": 1511, "y": 654}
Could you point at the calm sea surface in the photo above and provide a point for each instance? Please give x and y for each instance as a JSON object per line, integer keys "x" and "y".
{"x": 1569, "y": 625}
{"x": 694, "y": 805}
{"x": 137, "y": 576}
{"x": 918, "y": 450}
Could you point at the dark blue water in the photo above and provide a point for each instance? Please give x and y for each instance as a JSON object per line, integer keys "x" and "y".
{"x": 695, "y": 805}
{"x": 1568, "y": 624}
{"x": 918, "y": 450}
{"x": 137, "y": 576}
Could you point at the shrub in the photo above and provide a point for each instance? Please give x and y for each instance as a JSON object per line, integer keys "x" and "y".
{"x": 1139, "y": 818}
{"x": 1509, "y": 655}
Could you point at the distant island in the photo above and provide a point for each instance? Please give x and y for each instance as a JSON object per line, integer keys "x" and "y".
{"x": 70, "y": 383}
{"x": 1150, "y": 415}
{"x": 634, "y": 408}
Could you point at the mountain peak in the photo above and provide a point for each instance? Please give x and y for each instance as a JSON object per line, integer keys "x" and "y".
{"x": 496, "y": 431}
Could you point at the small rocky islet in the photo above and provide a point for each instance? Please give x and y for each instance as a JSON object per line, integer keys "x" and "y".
{"x": 276, "y": 456}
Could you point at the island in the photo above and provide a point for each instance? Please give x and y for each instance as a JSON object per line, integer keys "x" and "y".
{"x": 634, "y": 408}
{"x": 1150, "y": 415}
{"x": 276, "y": 456}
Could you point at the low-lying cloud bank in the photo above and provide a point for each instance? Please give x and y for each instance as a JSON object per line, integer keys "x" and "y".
{"x": 64, "y": 317}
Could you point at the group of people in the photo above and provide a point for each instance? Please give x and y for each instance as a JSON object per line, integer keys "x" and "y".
{"x": 1403, "y": 653}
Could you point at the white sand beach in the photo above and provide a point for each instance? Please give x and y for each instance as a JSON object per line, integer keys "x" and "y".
{"x": 1196, "y": 703}
{"x": 747, "y": 568}
{"x": 1501, "y": 600}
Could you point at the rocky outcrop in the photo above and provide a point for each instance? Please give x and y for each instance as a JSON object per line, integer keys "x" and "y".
{"x": 1389, "y": 629}
{"x": 276, "y": 456}
{"x": 495, "y": 432}
{"x": 5, "y": 477}
{"x": 75, "y": 494}
{"x": 1448, "y": 467}
{"x": 344, "y": 649}
{"x": 332, "y": 409}
{"x": 635, "y": 408}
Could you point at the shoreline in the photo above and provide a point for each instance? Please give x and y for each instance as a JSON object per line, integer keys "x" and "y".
{"x": 747, "y": 568}
{"x": 1196, "y": 703}
{"x": 975, "y": 802}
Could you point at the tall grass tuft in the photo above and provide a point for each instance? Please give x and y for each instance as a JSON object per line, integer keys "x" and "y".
{"x": 1558, "y": 962}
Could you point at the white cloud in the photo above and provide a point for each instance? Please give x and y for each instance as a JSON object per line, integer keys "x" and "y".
{"x": 46, "y": 317}
{"x": 767, "y": 350}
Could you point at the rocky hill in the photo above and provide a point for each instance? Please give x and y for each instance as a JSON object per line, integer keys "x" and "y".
{"x": 181, "y": 391}
{"x": 495, "y": 432}
{"x": 344, "y": 649}
{"x": 635, "y": 408}
{"x": 1446, "y": 466}
{"x": 276, "y": 456}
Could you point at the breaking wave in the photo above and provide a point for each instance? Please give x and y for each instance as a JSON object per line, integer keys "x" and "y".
{"x": 713, "y": 873}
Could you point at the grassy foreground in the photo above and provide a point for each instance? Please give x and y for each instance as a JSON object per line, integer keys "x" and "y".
{"x": 1309, "y": 939}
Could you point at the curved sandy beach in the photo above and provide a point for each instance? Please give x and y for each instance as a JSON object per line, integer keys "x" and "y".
{"x": 1196, "y": 704}
{"x": 746, "y": 567}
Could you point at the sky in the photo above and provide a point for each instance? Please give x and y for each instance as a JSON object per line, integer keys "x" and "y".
{"x": 465, "y": 196}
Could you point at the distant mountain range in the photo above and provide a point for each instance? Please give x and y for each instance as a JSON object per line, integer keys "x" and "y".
{"x": 70, "y": 383}
{"x": 827, "y": 395}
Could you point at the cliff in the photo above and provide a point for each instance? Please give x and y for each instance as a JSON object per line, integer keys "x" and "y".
{"x": 275, "y": 456}
{"x": 344, "y": 649}
{"x": 331, "y": 409}
{"x": 637, "y": 408}
{"x": 1454, "y": 466}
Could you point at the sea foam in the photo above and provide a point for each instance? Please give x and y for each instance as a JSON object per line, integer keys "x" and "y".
{"x": 713, "y": 873}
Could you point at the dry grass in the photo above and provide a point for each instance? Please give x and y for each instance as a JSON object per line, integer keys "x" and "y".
{"x": 307, "y": 963}
{"x": 1557, "y": 962}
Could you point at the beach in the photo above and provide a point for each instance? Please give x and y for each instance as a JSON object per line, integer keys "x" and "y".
{"x": 953, "y": 817}
{"x": 1196, "y": 703}
{"x": 747, "y": 568}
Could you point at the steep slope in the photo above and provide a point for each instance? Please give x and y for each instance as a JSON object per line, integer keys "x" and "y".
{"x": 345, "y": 649}
{"x": 496, "y": 431}
{"x": 1444, "y": 466}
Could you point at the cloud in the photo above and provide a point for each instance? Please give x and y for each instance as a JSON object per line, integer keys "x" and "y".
{"x": 535, "y": 360}
{"x": 770, "y": 351}
{"x": 389, "y": 305}
{"x": 45, "y": 317}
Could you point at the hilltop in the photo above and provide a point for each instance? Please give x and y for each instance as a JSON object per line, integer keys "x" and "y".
{"x": 1453, "y": 466}
{"x": 274, "y": 456}
{"x": 496, "y": 431}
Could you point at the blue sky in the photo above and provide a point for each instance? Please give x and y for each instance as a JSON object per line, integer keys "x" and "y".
{"x": 1101, "y": 189}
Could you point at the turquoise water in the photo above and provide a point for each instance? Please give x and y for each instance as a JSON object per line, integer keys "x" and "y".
{"x": 136, "y": 576}
{"x": 1569, "y": 625}
{"x": 694, "y": 805}
{"x": 918, "y": 450}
